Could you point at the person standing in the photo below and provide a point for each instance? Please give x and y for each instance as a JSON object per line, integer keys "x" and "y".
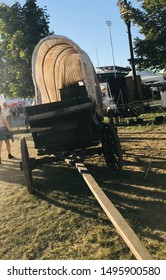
{"x": 7, "y": 113}
{"x": 4, "y": 127}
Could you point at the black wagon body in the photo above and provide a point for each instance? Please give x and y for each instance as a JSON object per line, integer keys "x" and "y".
{"x": 68, "y": 125}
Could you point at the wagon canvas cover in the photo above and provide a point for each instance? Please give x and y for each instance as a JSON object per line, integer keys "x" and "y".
{"x": 58, "y": 62}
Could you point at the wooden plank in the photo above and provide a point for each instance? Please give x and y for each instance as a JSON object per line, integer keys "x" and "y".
{"x": 61, "y": 112}
{"x": 128, "y": 235}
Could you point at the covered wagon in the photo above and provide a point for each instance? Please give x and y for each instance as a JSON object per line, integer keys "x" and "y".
{"x": 67, "y": 119}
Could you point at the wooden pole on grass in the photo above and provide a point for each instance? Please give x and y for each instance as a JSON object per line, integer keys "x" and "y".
{"x": 128, "y": 235}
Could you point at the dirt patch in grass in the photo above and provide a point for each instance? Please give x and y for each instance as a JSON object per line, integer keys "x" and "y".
{"x": 64, "y": 221}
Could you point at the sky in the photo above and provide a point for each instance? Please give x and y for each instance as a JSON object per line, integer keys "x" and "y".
{"x": 84, "y": 22}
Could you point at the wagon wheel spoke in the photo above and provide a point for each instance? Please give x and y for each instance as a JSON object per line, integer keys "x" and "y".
{"x": 26, "y": 166}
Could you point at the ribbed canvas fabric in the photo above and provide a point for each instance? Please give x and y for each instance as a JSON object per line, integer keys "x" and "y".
{"x": 58, "y": 62}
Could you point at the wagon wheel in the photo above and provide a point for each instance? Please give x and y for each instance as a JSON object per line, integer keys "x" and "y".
{"x": 111, "y": 148}
{"x": 26, "y": 167}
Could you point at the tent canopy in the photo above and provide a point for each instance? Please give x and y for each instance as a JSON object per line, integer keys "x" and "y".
{"x": 13, "y": 102}
{"x": 148, "y": 76}
{"x": 58, "y": 62}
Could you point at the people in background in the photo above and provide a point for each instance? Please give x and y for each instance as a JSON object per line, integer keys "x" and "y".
{"x": 7, "y": 113}
{"x": 4, "y": 127}
{"x": 21, "y": 111}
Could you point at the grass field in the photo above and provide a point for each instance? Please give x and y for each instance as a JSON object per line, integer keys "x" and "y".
{"x": 64, "y": 221}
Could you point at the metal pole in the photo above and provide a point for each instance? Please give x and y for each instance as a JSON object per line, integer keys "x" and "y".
{"x": 135, "y": 85}
{"x": 97, "y": 56}
{"x": 108, "y": 22}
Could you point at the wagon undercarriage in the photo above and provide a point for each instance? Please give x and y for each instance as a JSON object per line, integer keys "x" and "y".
{"x": 109, "y": 147}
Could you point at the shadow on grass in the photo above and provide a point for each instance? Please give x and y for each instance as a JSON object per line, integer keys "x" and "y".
{"x": 10, "y": 171}
{"x": 64, "y": 187}
{"x": 142, "y": 203}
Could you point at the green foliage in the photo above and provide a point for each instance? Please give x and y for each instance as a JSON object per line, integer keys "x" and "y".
{"x": 125, "y": 10}
{"x": 151, "y": 19}
{"x": 21, "y": 28}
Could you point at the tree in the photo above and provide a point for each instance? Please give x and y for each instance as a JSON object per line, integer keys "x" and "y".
{"x": 150, "y": 52}
{"x": 21, "y": 28}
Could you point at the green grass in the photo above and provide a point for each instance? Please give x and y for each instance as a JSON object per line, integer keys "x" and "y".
{"x": 63, "y": 220}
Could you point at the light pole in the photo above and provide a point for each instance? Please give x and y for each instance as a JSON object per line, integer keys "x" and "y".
{"x": 128, "y": 24}
{"x": 97, "y": 56}
{"x": 109, "y": 23}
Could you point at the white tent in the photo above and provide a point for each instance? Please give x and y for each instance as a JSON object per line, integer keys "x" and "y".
{"x": 148, "y": 76}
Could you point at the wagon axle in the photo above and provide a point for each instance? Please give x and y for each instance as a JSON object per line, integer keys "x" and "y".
{"x": 35, "y": 163}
